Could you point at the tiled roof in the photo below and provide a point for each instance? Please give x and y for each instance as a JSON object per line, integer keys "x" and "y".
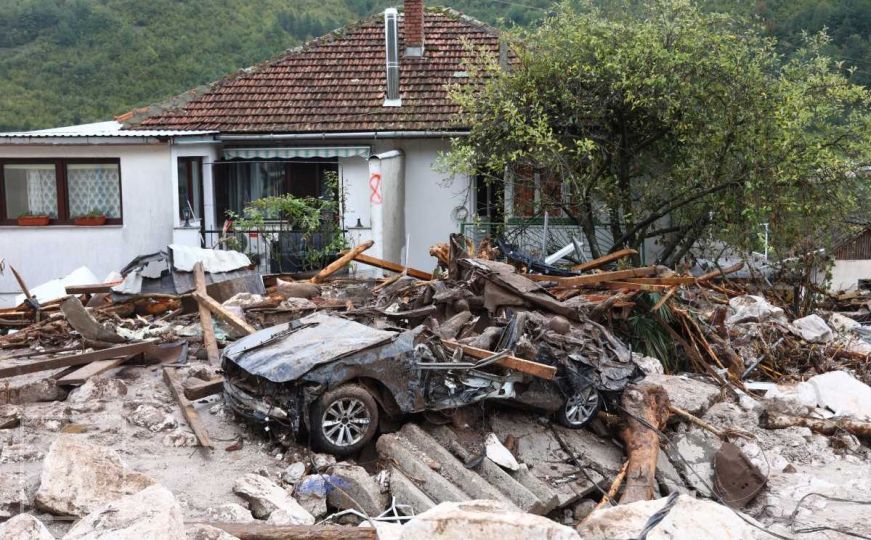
{"x": 336, "y": 84}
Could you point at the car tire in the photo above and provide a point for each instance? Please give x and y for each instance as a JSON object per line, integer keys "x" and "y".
{"x": 343, "y": 420}
{"x": 580, "y": 408}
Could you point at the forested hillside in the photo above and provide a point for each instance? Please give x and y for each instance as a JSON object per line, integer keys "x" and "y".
{"x": 71, "y": 61}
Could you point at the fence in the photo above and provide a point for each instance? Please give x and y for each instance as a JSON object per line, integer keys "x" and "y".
{"x": 275, "y": 251}
{"x": 540, "y": 237}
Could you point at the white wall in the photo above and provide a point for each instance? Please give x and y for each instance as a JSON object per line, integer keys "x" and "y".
{"x": 430, "y": 196}
{"x": 846, "y": 274}
{"x": 44, "y": 253}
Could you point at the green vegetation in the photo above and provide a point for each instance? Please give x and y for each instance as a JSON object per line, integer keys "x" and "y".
{"x": 664, "y": 111}
{"x": 71, "y": 61}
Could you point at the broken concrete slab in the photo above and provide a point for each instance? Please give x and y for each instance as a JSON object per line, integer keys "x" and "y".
{"x": 78, "y": 477}
{"x": 24, "y": 527}
{"x": 690, "y": 518}
{"x": 483, "y": 519}
{"x": 311, "y": 493}
{"x": 353, "y": 488}
{"x": 751, "y": 308}
{"x": 691, "y": 395}
{"x": 265, "y": 496}
{"x": 406, "y": 492}
{"x": 697, "y": 449}
{"x": 414, "y": 464}
{"x": 152, "y": 513}
{"x": 10, "y": 416}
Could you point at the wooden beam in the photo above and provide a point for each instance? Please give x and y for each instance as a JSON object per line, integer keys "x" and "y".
{"x": 594, "y": 279}
{"x": 91, "y": 289}
{"x": 76, "y": 359}
{"x": 209, "y": 340}
{"x": 201, "y": 389}
{"x": 717, "y": 273}
{"x": 341, "y": 262}
{"x": 187, "y": 408}
{"x": 21, "y": 282}
{"x": 79, "y": 376}
{"x": 628, "y": 285}
{"x": 529, "y": 367}
{"x": 234, "y": 320}
{"x": 393, "y": 267}
{"x": 264, "y": 531}
{"x": 605, "y": 259}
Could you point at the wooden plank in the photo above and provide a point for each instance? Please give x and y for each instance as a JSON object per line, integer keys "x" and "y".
{"x": 664, "y": 298}
{"x": 265, "y": 531}
{"x": 717, "y": 273}
{"x": 79, "y": 376}
{"x": 594, "y": 279}
{"x": 92, "y": 288}
{"x": 234, "y": 320}
{"x": 341, "y": 262}
{"x": 630, "y": 286}
{"x": 209, "y": 340}
{"x": 393, "y": 267}
{"x": 76, "y": 359}
{"x": 605, "y": 259}
{"x": 201, "y": 389}
{"x": 536, "y": 369}
{"x": 187, "y": 408}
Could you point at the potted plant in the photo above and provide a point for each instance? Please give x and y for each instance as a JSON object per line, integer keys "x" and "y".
{"x": 93, "y": 218}
{"x": 33, "y": 220}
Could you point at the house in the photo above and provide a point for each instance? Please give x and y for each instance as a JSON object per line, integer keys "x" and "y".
{"x": 852, "y": 262}
{"x": 368, "y": 102}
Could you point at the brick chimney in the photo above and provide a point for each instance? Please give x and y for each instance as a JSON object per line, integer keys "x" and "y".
{"x": 413, "y": 27}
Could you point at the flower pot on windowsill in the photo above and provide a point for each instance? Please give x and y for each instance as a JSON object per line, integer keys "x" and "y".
{"x": 34, "y": 221}
{"x": 90, "y": 221}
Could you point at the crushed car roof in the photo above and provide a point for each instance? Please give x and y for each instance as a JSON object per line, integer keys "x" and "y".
{"x": 286, "y": 352}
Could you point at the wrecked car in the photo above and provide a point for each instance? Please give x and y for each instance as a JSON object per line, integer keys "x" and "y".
{"x": 335, "y": 379}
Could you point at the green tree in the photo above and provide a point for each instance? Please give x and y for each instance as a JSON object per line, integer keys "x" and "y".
{"x": 672, "y": 124}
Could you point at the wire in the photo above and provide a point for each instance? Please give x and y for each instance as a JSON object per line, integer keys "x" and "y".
{"x": 658, "y": 516}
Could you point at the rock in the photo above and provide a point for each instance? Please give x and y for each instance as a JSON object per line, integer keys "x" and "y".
{"x": 293, "y": 289}
{"x": 648, "y": 364}
{"x": 842, "y": 323}
{"x": 78, "y": 477}
{"x": 152, "y": 418}
{"x": 19, "y": 453}
{"x": 293, "y": 473}
{"x": 698, "y": 450}
{"x": 201, "y": 531}
{"x": 812, "y": 329}
{"x": 842, "y": 394}
{"x": 230, "y": 513}
{"x": 311, "y": 492}
{"x": 32, "y": 392}
{"x": 500, "y": 455}
{"x": 690, "y": 518}
{"x": 322, "y": 462}
{"x": 10, "y": 416}
{"x": 152, "y": 513}
{"x": 353, "y": 488}
{"x": 482, "y": 519}
{"x": 688, "y": 394}
{"x": 98, "y": 388}
{"x": 265, "y": 496}
{"x": 24, "y": 527}
{"x": 583, "y": 509}
{"x": 178, "y": 438}
{"x": 751, "y": 308}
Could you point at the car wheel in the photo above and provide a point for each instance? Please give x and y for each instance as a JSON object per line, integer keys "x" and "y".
{"x": 579, "y": 408}
{"x": 343, "y": 420}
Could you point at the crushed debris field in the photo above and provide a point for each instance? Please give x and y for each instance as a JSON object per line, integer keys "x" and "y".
{"x": 190, "y": 397}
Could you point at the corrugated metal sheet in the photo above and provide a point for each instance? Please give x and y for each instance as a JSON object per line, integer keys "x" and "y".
{"x": 857, "y": 248}
{"x": 102, "y": 129}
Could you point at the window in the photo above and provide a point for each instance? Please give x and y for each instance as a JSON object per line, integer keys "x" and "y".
{"x": 190, "y": 188}
{"x": 62, "y": 189}
{"x": 238, "y": 183}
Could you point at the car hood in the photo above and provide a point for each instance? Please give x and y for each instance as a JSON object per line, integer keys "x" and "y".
{"x": 288, "y": 351}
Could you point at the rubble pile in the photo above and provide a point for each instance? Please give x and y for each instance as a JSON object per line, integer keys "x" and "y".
{"x": 189, "y": 397}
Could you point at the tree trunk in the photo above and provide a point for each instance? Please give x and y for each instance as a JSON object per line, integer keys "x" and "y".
{"x": 643, "y": 404}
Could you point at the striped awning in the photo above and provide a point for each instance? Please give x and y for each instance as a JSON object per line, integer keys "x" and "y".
{"x": 297, "y": 152}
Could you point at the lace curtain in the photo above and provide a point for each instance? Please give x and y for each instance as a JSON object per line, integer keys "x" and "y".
{"x": 94, "y": 187}
{"x": 41, "y": 191}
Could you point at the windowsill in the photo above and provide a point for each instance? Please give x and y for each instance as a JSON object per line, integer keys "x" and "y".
{"x": 56, "y": 227}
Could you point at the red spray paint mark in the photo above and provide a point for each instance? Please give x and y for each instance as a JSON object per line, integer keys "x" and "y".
{"x": 375, "y": 186}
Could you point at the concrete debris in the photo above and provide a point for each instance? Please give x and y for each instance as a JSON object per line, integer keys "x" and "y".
{"x": 230, "y": 513}
{"x": 752, "y": 308}
{"x": 812, "y": 328}
{"x": 152, "y": 513}
{"x": 24, "y": 527}
{"x": 689, "y": 518}
{"x": 265, "y": 497}
{"x": 836, "y": 393}
{"x": 151, "y": 417}
{"x": 293, "y": 473}
{"x": 311, "y": 493}
{"x": 498, "y": 454}
{"x": 691, "y": 395}
{"x": 353, "y": 488}
{"x": 78, "y": 477}
{"x": 483, "y": 519}
{"x": 201, "y": 531}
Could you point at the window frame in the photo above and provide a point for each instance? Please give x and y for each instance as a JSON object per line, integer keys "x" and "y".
{"x": 189, "y": 161}
{"x": 60, "y": 172}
